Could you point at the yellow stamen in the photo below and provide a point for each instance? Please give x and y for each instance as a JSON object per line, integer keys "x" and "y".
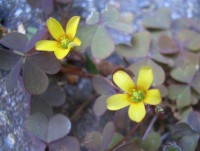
{"x": 64, "y": 42}
{"x": 137, "y": 95}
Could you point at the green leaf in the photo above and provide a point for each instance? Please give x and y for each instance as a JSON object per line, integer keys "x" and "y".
{"x": 115, "y": 140}
{"x": 183, "y": 113}
{"x": 91, "y": 67}
{"x": 8, "y": 59}
{"x": 185, "y": 35}
{"x": 111, "y": 18}
{"x": 180, "y": 93}
{"x": 189, "y": 143}
{"x": 163, "y": 90}
{"x": 194, "y": 44}
{"x": 32, "y": 30}
{"x": 160, "y": 20}
{"x": 181, "y": 129}
{"x": 100, "y": 105}
{"x": 119, "y": 26}
{"x": 54, "y": 95}
{"x": 194, "y": 121}
{"x": 102, "y": 45}
{"x": 47, "y": 62}
{"x": 159, "y": 74}
{"x": 186, "y": 59}
{"x": 35, "y": 80}
{"x": 185, "y": 74}
{"x": 152, "y": 142}
{"x": 140, "y": 46}
{"x": 155, "y": 55}
{"x": 128, "y": 147}
{"x": 110, "y": 13}
{"x": 93, "y": 18}
{"x": 93, "y": 141}
{"x": 196, "y": 82}
{"x": 12, "y": 78}
{"x": 86, "y": 34}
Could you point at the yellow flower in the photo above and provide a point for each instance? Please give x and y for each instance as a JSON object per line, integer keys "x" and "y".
{"x": 135, "y": 95}
{"x": 64, "y": 41}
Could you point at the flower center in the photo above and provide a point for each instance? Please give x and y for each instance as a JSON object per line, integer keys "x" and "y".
{"x": 137, "y": 95}
{"x": 64, "y": 42}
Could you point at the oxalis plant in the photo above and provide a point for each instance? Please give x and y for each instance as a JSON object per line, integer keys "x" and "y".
{"x": 151, "y": 95}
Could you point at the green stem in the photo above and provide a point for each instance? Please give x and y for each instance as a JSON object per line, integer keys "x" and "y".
{"x": 150, "y": 127}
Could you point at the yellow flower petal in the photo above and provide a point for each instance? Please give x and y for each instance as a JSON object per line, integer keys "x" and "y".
{"x": 61, "y": 53}
{"x": 145, "y": 78}
{"x": 46, "y": 45}
{"x": 72, "y": 26}
{"x": 123, "y": 81}
{"x": 55, "y": 28}
{"x": 137, "y": 112}
{"x": 77, "y": 41}
{"x": 118, "y": 101}
{"x": 153, "y": 97}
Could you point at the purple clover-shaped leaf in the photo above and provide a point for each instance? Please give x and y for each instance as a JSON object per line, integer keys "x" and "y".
{"x": 167, "y": 45}
{"x": 8, "y": 59}
{"x": 97, "y": 141}
{"x": 93, "y": 141}
{"x": 35, "y": 3}
{"x": 54, "y": 95}
{"x": 15, "y": 41}
{"x": 108, "y": 133}
{"x": 35, "y": 80}
{"x": 13, "y": 76}
{"x": 100, "y": 105}
{"x": 40, "y": 105}
{"x": 67, "y": 143}
{"x": 46, "y": 62}
{"x": 105, "y": 89}
{"x": 121, "y": 118}
{"x": 102, "y": 86}
{"x": 48, "y": 130}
